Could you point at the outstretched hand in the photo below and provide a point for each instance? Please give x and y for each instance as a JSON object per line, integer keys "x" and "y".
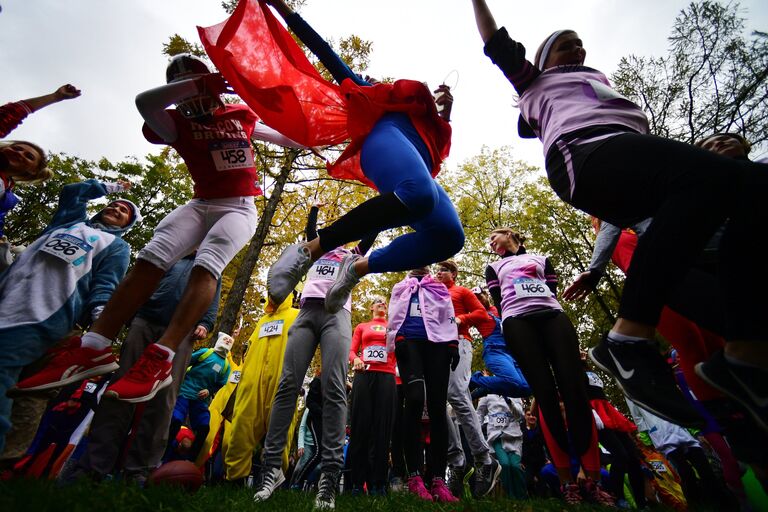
{"x": 444, "y": 101}
{"x": 215, "y": 84}
{"x": 125, "y": 184}
{"x": 580, "y": 288}
{"x": 66, "y": 92}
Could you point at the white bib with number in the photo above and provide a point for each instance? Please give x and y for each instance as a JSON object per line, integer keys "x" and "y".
{"x": 375, "y": 354}
{"x": 273, "y": 328}
{"x": 415, "y": 308}
{"x": 532, "y": 288}
{"x": 234, "y": 377}
{"x": 324, "y": 269}
{"x": 501, "y": 420}
{"x": 603, "y": 92}
{"x": 67, "y": 247}
{"x": 231, "y": 155}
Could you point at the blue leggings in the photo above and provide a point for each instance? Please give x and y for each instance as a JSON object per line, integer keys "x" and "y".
{"x": 392, "y": 160}
{"x": 507, "y": 379}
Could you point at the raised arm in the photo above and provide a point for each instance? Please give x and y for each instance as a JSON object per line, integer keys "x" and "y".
{"x": 486, "y": 25}
{"x": 65, "y": 92}
{"x": 316, "y": 44}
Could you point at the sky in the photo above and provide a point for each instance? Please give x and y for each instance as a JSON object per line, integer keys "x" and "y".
{"x": 112, "y": 50}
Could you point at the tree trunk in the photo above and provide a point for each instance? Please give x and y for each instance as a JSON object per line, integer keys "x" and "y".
{"x": 237, "y": 292}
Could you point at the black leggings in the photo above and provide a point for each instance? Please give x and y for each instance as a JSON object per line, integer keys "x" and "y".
{"x": 424, "y": 369}
{"x": 625, "y": 459}
{"x": 547, "y": 349}
{"x": 398, "y": 431}
{"x": 689, "y": 192}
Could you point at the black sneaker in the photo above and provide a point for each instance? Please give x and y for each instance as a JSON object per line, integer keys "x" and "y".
{"x": 646, "y": 378}
{"x": 455, "y": 481}
{"x": 739, "y": 383}
{"x": 326, "y": 490}
{"x": 487, "y": 476}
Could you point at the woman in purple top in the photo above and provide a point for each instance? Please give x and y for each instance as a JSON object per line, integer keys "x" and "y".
{"x": 601, "y": 160}
{"x": 544, "y": 342}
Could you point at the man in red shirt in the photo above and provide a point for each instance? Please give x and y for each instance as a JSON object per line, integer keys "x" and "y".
{"x": 469, "y": 313}
{"x": 214, "y": 139}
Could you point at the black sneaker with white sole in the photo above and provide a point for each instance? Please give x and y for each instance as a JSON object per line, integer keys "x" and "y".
{"x": 741, "y": 383}
{"x": 646, "y": 378}
{"x": 326, "y": 490}
{"x": 271, "y": 479}
{"x": 487, "y": 476}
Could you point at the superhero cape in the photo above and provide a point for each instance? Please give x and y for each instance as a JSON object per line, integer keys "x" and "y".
{"x": 269, "y": 71}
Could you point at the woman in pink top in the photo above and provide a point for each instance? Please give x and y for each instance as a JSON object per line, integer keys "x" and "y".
{"x": 601, "y": 159}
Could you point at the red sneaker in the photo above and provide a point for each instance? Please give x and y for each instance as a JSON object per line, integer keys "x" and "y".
{"x": 441, "y": 493}
{"x": 416, "y": 486}
{"x": 147, "y": 376}
{"x": 68, "y": 364}
{"x": 571, "y": 493}
{"x": 595, "y": 493}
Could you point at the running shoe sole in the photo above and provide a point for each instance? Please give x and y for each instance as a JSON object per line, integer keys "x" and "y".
{"x": 163, "y": 384}
{"x": 279, "y": 271}
{"x": 337, "y": 296}
{"x": 76, "y": 377}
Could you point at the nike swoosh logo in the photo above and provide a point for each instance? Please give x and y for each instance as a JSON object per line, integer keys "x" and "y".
{"x": 625, "y": 374}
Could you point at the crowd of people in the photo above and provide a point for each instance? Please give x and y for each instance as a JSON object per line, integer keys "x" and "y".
{"x": 393, "y": 404}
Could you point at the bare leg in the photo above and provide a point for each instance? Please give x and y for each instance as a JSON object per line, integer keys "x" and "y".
{"x": 632, "y": 328}
{"x": 132, "y": 292}
{"x": 200, "y": 290}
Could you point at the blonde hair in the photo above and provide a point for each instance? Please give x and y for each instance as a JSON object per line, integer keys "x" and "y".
{"x": 516, "y": 236}
{"x": 41, "y": 171}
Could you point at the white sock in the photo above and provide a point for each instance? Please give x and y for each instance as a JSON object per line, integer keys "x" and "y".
{"x": 95, "y": 341}
{"x": 170, "y": 352}
{"x": 621, "y": 338}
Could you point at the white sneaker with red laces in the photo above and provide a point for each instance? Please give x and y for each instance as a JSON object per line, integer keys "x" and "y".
{"x": 150, "y": 374}
{"x": 68, "y": 364}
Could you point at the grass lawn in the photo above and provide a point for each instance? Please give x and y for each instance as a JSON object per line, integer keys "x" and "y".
{"x": 40, "y": 496}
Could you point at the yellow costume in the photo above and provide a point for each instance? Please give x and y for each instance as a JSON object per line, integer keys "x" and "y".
{"x": 258, "y": 384}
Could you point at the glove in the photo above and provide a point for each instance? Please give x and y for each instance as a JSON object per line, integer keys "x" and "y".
{"x": 453, "y": 354}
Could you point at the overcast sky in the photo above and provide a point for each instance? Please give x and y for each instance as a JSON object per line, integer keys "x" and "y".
{"x": 111, "y": 49}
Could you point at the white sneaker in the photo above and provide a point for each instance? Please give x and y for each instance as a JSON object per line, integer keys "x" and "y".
{"x": 272, "y": 479}
{"x": 287, "y": 271}
{"x": 340, "y": 291}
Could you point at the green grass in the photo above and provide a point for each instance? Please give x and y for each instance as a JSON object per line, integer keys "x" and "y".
{"x": 40, "y": 496}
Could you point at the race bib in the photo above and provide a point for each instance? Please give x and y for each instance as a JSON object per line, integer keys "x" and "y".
{"x": 375, "y": 354}
{"x": 532, "y": 288}
{"x": 324, "y": 269}
{"x": 68, "y": 248}
{"x": 234, "y": 377}
{"x": 501, "y": 420}
{"x": 231, "y": 155}
{"x": 658, "y": 466}
{"x": 90, "y": 387}
{"x": 594, "y": 380}
{"x": 603, "y": 92}
{"x": 216, "y": 367}
{"x": 273, "y": 328}
{"x": 415, "y": 309}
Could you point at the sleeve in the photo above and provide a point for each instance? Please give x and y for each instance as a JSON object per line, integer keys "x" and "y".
{"x": 303, "y": 428}
{"x": 482, "y": 409}
{"x": 106, "y": 275}
{"x": 73, "y": 201}
{"x": 152, "y": 107}
{"x": 311, "y": 229}
{"x": 550, "y": 276}
{"x": 365, "y": 244}
{"x": 477, "y": 312}
{"x": 322, "y": 50}
{"x": 516, "y": 407}
{"x": 509, "y": 56}
{"x": 210, "y": 316}
{"x": 494, "y": 287}
{"x": 357, "y": 342}
{"x": 11, "y": 116}
{"x": 605, "y": 244}
{"x": 267, "y": 134}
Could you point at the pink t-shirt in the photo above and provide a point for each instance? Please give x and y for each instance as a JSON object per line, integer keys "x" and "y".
{"x": 323, "y": 273}
{"x": 523, "y": 283}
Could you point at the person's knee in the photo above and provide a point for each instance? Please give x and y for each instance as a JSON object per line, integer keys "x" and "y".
{"x": 420, "y": 198}
{"x": 415, "y": 395}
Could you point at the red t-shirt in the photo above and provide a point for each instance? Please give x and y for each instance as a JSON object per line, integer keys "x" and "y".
{"x": 370, "y": 338}
{"x": 469, "y": 310}
{"x": 217, "y": 152}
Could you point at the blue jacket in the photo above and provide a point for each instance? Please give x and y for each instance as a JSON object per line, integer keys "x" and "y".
{"x": 41, "y": 288}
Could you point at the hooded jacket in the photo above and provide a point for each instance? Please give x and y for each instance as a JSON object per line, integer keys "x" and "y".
{"x": 72, "y": 268}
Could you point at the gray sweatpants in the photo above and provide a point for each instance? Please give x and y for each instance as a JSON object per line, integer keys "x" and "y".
{"x": 461, "y": 402}
{"x": 113, "y": 418}
{"x": 333, "y": 333}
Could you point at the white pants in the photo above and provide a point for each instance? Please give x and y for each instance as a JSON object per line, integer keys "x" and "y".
{"x": 218, "y": 228}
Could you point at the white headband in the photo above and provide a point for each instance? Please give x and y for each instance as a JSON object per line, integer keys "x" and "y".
{"x": 547, "y": 48}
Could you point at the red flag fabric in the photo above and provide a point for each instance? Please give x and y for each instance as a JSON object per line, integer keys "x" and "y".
{"x": 269, "y": 71}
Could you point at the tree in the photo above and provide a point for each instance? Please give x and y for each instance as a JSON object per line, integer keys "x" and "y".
{"x": 713, "y": 80}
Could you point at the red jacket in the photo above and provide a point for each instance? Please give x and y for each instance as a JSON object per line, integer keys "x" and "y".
{"x": 467, "y": 309}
